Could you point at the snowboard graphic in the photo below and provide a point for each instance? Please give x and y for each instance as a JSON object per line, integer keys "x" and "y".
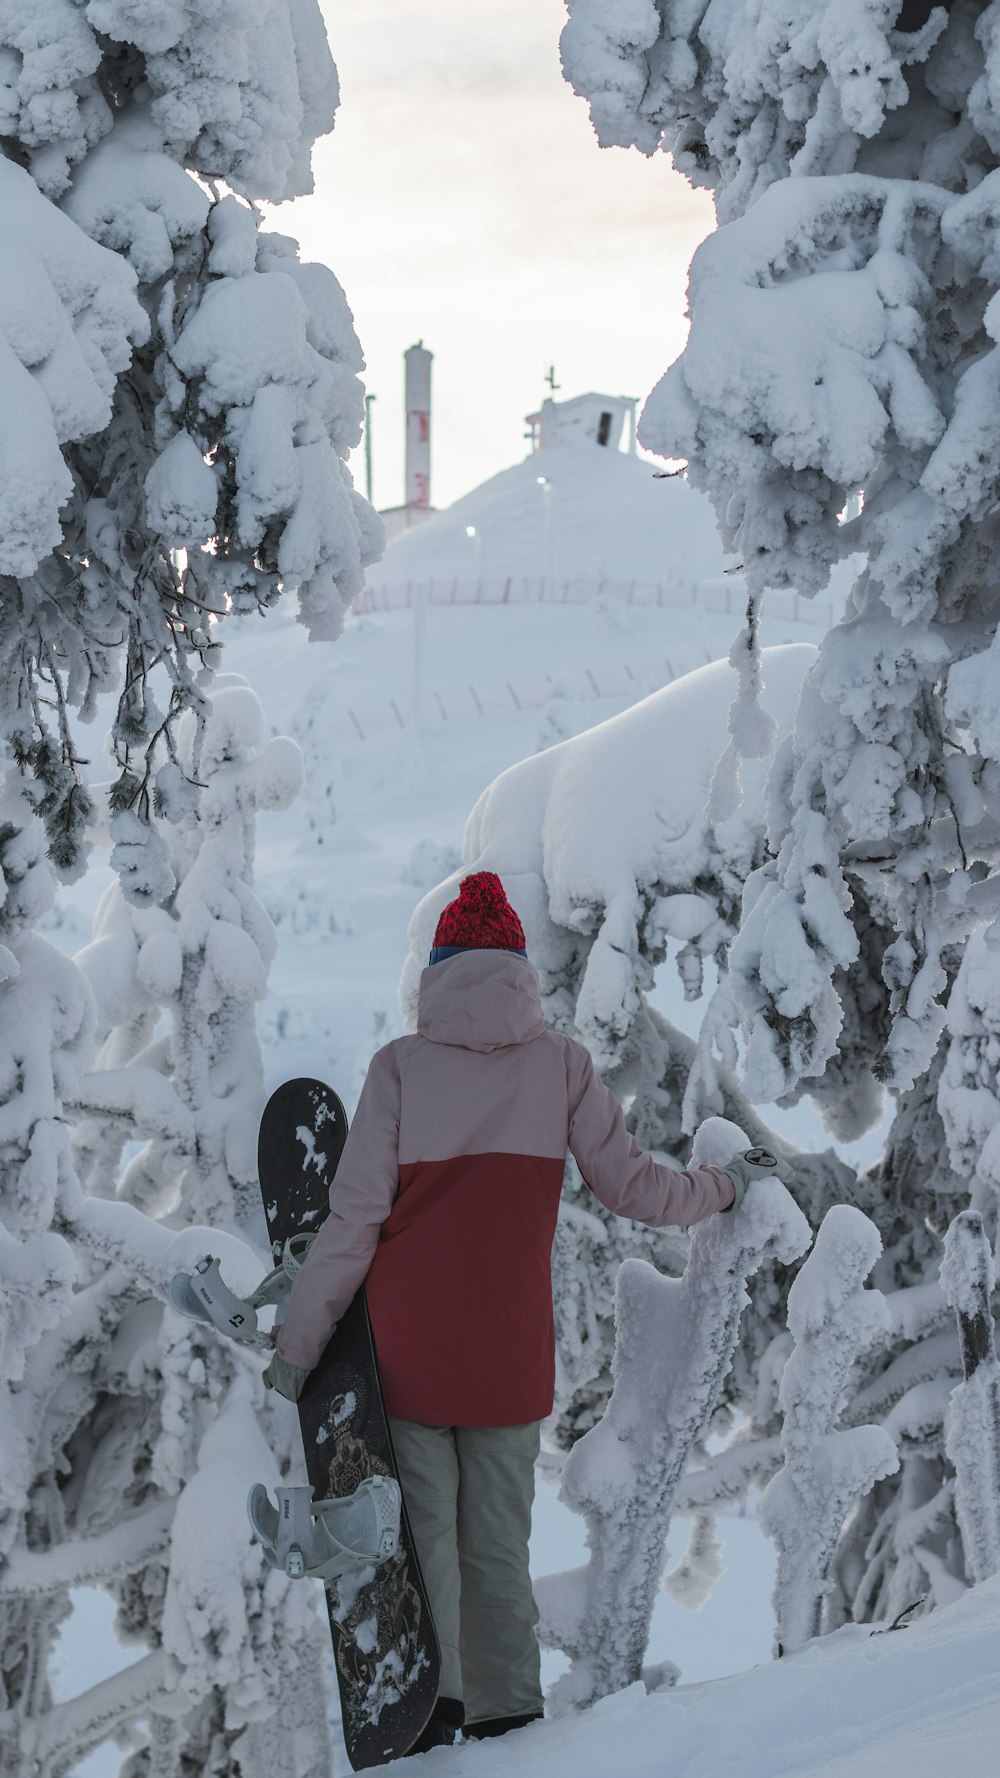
{"x": 384, "y": 1643}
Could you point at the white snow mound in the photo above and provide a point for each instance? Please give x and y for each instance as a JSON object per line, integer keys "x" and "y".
{"x": 586, "y": 832}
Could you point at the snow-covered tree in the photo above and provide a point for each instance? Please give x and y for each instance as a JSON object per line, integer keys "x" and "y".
{"x": 180, "y": 395}
{"x": 824, "y": 1472}
{"x": 180, "y": 392}
{"x": 838, "y": 394}
{"x": 132, "y": 1433}
{"x": 675, "y": 1343}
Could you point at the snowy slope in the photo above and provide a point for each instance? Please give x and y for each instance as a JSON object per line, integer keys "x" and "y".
{"x": 919, "y": 1702}
{"x": 570, "y": 512}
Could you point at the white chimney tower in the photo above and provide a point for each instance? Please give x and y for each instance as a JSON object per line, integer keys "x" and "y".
{"x": 418, "y": 425}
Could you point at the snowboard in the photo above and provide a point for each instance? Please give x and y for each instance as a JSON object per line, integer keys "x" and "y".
{"x": 384, "y": 1643}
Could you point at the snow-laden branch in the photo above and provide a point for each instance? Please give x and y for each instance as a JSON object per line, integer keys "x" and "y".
{"x": 52, "y": 1744}
{"x": 712, "y": 86}
{"x": 690, "y": 1584}
{"x": 803, "y": 1507}
{"x": 728, "y": 1476}
{"x": 141, "y": 1097}
{"x": 917, "y": 1311}
{"x": 71, "y": 317}
{"x": 675, "y": 1342}
{"x": 972, "y": 1425}
{"x": 90, "y": 1561}
{"x": 916, "y": 1421}
{"x": 119, "y": 1234}
{"x": 923, "y": 1362}
{"x": 36, "y": 1280}
{"x": 230, "y": 1622}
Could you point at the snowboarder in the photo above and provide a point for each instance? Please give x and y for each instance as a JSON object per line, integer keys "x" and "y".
{"x": 444, "y": 1206}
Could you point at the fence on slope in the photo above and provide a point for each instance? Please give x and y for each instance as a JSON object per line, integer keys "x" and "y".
{"x": 622, "y": 684}
{"x": 723, "y": 596}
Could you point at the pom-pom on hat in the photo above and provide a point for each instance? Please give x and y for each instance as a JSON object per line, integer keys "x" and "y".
{"x": 479, "y": 919}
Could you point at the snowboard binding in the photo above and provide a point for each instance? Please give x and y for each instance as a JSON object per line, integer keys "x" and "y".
{"x": 311, "y": 1539}
{"x": 204, "y": 1295}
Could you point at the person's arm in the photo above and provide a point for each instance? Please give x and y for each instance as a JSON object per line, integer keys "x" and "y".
{"x": 361, "y": 1198}
{"x": 620, "y": 1173}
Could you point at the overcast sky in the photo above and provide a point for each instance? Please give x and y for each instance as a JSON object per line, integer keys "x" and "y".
{"x": 463, "y": 200}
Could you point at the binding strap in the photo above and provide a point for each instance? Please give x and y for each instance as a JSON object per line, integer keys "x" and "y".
{"x": 203, "y": 1294}
{"x": 319, "y": 1539}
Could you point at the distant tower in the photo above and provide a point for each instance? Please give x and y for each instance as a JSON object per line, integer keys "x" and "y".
{"x": 418, "y": 425}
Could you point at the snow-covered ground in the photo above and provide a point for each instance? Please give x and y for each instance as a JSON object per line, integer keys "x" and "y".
{"x": 447, "y": 695}
{"x": 733, "y": 1631}
{"x": 918, "y": 1702}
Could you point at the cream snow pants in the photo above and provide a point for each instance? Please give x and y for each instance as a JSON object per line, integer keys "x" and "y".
{"x": 468, "y": 1492}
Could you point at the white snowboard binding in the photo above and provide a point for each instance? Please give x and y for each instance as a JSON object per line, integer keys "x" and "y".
{"x": 204, "y": 1295}
{"x": 311, "y": 1539}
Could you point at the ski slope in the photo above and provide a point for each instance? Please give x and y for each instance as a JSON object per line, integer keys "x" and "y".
{"x": 570, "y": 512}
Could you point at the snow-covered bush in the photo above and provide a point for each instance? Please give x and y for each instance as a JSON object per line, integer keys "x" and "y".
{"x": 838, "y": 393}
{"x": 972, "y": 1426}
{"x": 46, "y": 1027}
{"x": 675, "y": 1343}
{"x": 180, "y": 392}
{"x": 832, "y": 1319}
{"x": 202, "y": 957}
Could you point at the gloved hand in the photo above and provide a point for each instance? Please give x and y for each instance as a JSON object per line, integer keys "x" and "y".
{"x": 755, "y": 1163}
{"x": 288, "y": 1379}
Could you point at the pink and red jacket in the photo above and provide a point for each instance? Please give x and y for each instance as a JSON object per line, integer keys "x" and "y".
{"x": 446, "y": 1198}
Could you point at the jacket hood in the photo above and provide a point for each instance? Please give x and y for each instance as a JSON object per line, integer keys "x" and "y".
{"x": 480, "y": 1000}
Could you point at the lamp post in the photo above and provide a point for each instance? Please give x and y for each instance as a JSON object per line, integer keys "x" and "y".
{"x": 419, "y": 632}
{"x": 550, "y": 541}
{"x": 475, "y": 537}
{"x": 368, "y": 448}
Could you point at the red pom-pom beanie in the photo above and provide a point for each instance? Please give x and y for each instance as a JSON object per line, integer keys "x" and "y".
{"x": 479, "y": 919}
